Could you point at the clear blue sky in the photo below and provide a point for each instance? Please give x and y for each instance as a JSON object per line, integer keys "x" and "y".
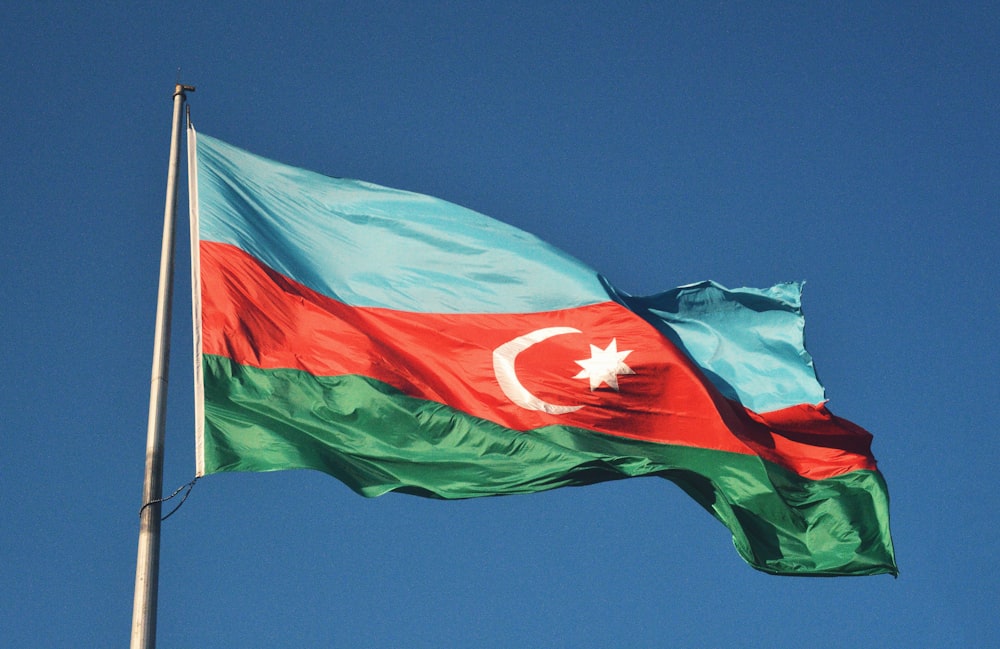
{"x": 854, "y": 147}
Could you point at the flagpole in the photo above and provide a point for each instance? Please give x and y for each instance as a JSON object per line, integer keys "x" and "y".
{"x": 147, "y": 567}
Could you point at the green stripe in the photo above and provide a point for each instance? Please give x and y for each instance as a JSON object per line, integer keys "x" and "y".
{"x": 376, "y": 439}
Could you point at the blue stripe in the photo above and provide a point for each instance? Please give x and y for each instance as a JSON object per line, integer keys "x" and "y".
{"x": 749, "y": 342}
{"x": 373, "y": 246}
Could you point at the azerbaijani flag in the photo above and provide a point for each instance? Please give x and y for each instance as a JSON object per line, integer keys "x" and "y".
{"x": 403, "y": 343}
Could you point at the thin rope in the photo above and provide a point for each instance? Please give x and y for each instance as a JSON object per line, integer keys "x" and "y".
{"x": 189, "y": 486}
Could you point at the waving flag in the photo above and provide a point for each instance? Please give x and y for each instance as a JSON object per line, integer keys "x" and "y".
{"x": 400, "y": 342}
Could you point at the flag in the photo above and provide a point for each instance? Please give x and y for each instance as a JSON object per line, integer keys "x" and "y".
{"x": 402, "y": 343}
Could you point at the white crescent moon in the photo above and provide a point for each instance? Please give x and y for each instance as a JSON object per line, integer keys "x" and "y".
{"x": 503, "y": 367}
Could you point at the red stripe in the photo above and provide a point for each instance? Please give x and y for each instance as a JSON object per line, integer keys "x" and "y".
{"x": 258, "y": 317}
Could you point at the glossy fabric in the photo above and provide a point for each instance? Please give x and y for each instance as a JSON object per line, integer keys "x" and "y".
{"x": 400, "y": 342}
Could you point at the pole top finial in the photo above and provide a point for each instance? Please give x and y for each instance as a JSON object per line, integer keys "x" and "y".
{"x": 180, "y": 89}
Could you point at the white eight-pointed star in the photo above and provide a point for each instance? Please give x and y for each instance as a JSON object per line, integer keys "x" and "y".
{"x": 604, "y": 366}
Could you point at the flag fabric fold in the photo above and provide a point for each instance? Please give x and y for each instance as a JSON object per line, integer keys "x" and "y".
{"x": 399, "y": 342}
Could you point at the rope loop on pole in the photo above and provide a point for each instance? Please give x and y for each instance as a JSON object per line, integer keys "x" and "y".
{"x": 189, "y": 485}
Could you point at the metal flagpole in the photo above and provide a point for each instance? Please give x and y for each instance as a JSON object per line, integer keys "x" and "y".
{"x": 147, "y": 567}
